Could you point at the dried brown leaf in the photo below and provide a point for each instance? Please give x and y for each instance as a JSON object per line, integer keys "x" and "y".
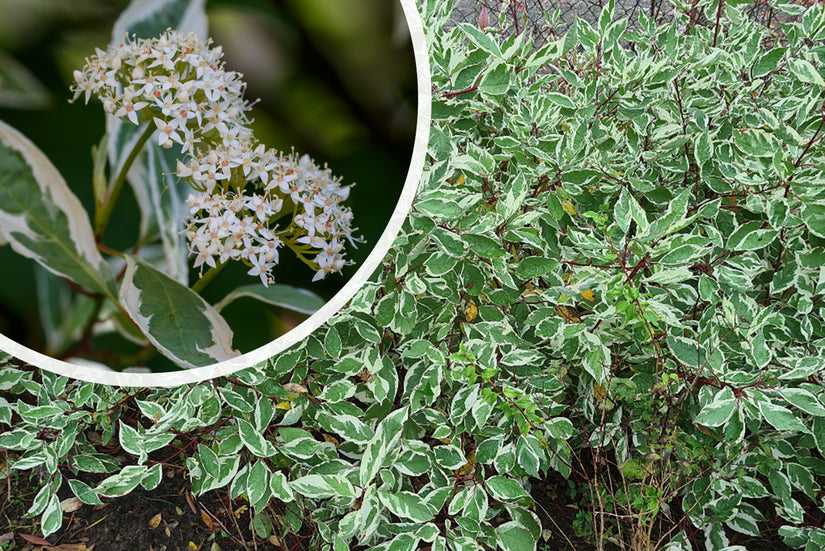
{"x": 36, "y": 539}
{"x": 207, "y": 520}
{"x": 191, "y": 501}
{"x": 295, "y": 387}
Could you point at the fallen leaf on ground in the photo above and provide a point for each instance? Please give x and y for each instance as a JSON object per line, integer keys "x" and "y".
{"x": 154, "y": 522}
{"x": 36, "y": 539}
{"x": 215, "y": 546}
{"x": 207, "y": 520}
{"x": 273, "y": 539}
{"x": 191, "y": 501}
{"x": 70, "y": 505}
{"x": 8, "y": 536}
{"x": 66, "y": 547}
{"x": 240, "y": 510}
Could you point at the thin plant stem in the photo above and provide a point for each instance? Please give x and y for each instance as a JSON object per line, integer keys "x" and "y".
{"x": 102, "y": 216}
{"x": 207, "y": 278}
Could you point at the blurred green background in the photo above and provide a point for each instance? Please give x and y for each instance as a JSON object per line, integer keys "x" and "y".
{"x": 336, "y": 80}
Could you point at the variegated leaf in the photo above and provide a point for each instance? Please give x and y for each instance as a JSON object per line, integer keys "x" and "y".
{"x": 147, "y": 18}
{"x": 43, "y": 219}
{"x": 183, "y": 326}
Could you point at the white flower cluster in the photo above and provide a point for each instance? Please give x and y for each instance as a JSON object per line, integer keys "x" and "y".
{"x": 225, "y": 223}
{"x": 175, "y": 81}
{"x": 249, "y": 201}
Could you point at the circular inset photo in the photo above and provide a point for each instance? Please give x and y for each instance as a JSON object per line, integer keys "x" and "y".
{"x": 189, "y": 187}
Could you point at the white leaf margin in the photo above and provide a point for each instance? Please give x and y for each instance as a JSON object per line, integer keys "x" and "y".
{"x": 221, "y": 332}
{"x": 337, "y": 302}
{"x": 50, "y": 182}
{"x": 193, "y": 19}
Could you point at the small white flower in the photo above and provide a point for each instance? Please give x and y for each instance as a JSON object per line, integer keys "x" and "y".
{"x": 260, "y": 267}
{"x": 167, "y": 131}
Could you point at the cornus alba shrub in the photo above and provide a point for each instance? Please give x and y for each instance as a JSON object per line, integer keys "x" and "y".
{"x": 613, "y": 270}
{"x": 178, "y": 131}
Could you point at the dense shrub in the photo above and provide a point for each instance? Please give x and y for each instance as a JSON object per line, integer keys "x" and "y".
{"x": 613, "y": 269}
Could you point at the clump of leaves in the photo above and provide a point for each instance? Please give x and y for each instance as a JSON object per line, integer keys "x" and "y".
{"x": 613, "y": 268}
{"x": 650, "y": 203}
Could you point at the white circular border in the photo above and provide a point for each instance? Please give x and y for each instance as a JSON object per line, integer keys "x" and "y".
{"x": 337, "y": 302}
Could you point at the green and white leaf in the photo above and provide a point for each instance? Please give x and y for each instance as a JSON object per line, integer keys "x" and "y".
{"x": 323, "y": 486}
{"x": 512, "y": 536}
{"x": 387, "y": 435}
{"x": 149, "y": 18}
{"x": 42, "y": 219}
{"x": 183, "y": 326}
{"x": 719, "y": 410}
{"x": 780, "y": 417}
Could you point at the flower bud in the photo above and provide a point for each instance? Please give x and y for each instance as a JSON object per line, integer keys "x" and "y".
{"x": 484, "y": 18}
{"x": 182, "y": 170}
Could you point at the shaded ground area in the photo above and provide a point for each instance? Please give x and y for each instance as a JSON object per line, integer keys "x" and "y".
{"x": 168, "y": 518}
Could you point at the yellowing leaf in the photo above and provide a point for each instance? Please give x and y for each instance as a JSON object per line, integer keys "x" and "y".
{"x": 468, "y": 467}
{"x": 459, "y": 180}
{"x": 154, "y": 522}
{"x": 193, "y": 546}
{"x": 568, "y": 208}
{"x": 470, "y": 311}
{"x": 567, "y": 314}
{"x": 332, "y": 440}
{"x": 240, "y": 510}
{"x": 588, "y": 295}
{"x": 599, "y": 392}
{"x": 284, "y": 405}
